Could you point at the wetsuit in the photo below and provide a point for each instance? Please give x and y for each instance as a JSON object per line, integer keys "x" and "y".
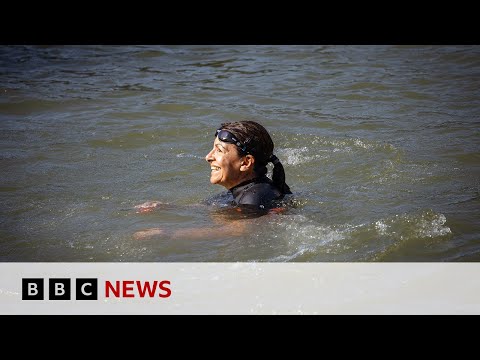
{"x": 258, "y": 193}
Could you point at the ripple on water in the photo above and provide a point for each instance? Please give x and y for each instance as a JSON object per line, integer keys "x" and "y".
{"x": 379, "y": 240}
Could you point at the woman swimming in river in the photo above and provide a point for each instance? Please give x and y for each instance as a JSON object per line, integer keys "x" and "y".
{"x": 238, "y": 161}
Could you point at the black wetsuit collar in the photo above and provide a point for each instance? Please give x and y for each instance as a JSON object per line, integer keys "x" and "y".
{"x": 239, "y": 187}
{"x": 258, "y": 193}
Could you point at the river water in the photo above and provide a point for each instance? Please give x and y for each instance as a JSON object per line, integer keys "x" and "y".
{"x": 380, "y": 146}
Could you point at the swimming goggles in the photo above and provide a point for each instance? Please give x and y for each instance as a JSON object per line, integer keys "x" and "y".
{"x": 226, "y": 136}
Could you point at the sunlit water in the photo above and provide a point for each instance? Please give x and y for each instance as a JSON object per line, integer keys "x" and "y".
{"x": 380, "y": 145}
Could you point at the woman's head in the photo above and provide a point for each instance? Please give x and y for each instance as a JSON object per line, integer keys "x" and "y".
{"x": 241, "y": 152}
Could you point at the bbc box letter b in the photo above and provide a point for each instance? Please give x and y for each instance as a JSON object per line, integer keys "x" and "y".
{"x": 59, "y": 289}
{"x": 32, "y": 289}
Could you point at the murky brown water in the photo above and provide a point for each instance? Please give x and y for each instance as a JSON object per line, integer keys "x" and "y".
{"x": 380, "y": 144}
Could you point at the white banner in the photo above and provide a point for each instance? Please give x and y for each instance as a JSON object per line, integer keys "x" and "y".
{"x": 239, "y": 288}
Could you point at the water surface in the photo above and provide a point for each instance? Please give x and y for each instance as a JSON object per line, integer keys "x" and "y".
{"x": 380, "y": 146}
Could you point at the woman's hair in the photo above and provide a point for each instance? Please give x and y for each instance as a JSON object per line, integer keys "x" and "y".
{"x": 259, "y": 143}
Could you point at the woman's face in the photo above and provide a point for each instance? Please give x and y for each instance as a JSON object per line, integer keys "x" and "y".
{"x": 225, "y": 164}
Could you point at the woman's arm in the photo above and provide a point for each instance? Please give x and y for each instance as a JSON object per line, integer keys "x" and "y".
{"x": 233, "y": 228}
{"x": 224, "y": 223}
{"x": 150, "y": 206}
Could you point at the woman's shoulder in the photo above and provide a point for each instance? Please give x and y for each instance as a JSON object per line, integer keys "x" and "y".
{"x": 260, "y": 194}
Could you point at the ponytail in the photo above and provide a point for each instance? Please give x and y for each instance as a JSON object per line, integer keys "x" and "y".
{"x": 278, "y": 176}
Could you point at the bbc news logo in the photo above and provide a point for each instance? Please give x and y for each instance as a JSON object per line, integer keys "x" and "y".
{"x": 59, "y": 289}
{"x": 87, "y": 289}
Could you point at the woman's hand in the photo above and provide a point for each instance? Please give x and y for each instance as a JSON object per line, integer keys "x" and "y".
{"x": 143, "y": 234}
{"x": 147, "y": 206}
